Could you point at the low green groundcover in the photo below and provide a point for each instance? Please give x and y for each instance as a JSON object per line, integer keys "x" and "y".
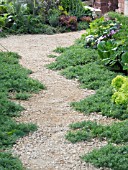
{"x": 14, "y": 83}
{"x": 8, "y": 162}
{"x": 110, "y": 156}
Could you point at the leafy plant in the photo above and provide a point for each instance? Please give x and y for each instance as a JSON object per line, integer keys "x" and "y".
{"x": 53, "y": 17}
{"x": 101, "y": 102}
{"x": 120, "y": 95}
{"x": 69, "y": 21}
{"x": 74, "y": 7}
{"x": 123, "y": 20}
{"x": 113, "y": 54}
{"x": 100, "y": 29}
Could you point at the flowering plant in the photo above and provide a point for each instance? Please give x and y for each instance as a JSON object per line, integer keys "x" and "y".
{"x": 100, "y": 29}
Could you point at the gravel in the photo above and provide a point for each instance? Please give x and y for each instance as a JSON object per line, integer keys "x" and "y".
{"x": 47, "y": 149}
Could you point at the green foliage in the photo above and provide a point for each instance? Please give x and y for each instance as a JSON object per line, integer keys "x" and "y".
{"x": 83, "y": 25}
{"x": 47, "y": 5}
{"x": 24, "y": 18}
{"x": 106, "y": 50}
{"x": 14, "y": 77}
{"x": 101, "y": 102}
{"x": 10, "y": 131}
{"x": 13, "y": 80}
{"x": 118, "y": 81}
{"x": 86, "y": 130}
{"x": 47, "y": 29}
{"x": 120, "y": 95}
{"x": 74, "y": 7}
{"x": 35, "y": 17}
{"x": 7, "y": 107}
{"x": 123, "y": 20}
{"x": 53, "y": 17}
{"x": 9, "y": 162}
{"x": 100, "y": 29}
{"x": 22, "y": 96}
{"x": 60, "y": 49}
{"x": 113, "y": 55}
{"x": 85, "y": 65}
{"x": 73, "y": 56}
{"x": 2, "y": 21}
{"x": 30, "y": 24}
{"x": 52, "y": 56}
{"x": 91, "y": 76}
{"x": 110, "y": 156}
{"x": 70, "y": 22}
{"x": 109, "y": 34}
{"x": 3, "y": 9}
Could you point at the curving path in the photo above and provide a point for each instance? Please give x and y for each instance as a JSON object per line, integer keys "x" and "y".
{"x": 47, "y": 149}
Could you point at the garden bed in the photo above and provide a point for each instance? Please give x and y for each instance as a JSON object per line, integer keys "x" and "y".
{"x": 99, "y": 61}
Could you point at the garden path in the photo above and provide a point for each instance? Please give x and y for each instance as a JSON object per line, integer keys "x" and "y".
{"x": 47, "y": 149}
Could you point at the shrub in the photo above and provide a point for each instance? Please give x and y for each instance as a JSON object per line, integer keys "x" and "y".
{"x": 74, "y": 7}
{"x": 86, "y": 19}
{"x": 82, "y": 25}
{"x": 69, "y": 21}
{"x": 53, "y": 18}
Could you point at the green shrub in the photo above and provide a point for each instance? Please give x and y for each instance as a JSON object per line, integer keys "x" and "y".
{"x": 74, "y": 7}
{"x": 53, "y": 17}
{"x": 54, "y": 20}
{"x": 83, "y": 25}
{"x": 123, "y": 20}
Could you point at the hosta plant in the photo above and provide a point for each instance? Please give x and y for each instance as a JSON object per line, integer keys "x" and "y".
{"x": 113, "y": 54}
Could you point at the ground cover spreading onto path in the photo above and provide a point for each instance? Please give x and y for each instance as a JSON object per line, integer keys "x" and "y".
{"x": 47, "y": 148}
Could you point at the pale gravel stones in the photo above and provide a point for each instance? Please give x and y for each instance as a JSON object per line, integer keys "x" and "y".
{"x": 47, "y": 149}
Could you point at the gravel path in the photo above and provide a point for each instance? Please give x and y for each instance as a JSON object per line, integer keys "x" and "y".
{"x": 47, "y": 149}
